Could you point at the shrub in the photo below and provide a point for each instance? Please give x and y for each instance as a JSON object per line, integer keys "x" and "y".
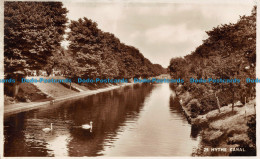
{"x": 194, "y": 107}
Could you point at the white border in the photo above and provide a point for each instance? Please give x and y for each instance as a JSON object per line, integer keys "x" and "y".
{"x": 134, "y": 1}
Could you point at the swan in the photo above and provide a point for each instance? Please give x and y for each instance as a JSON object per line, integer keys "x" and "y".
{"x": 87, "y": 126}
{"x": 47, "y": 129}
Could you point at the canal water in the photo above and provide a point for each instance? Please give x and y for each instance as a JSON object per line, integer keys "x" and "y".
{"x": 137, "y": 120}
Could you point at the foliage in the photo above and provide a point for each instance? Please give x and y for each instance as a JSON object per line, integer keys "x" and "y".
{"x": 228, "y": 53}
{"x": 32, "y": 32}
{"x": 100, "y": 54}
{"x": 252, "y": 128}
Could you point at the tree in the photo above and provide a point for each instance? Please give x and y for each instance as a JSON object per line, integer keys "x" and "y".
{"x": 84, "y": 37}
{"x": 228, "y": 53}
{"x": 32, "y": 32}
{"x": 101, "y": 54}
{"x": 176, "y": 67}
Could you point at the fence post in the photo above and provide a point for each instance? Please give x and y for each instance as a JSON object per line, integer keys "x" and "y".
{"x": 217, "y": 102}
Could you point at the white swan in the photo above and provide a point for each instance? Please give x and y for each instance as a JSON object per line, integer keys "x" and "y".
{"x": 87, "y": 126}
{"x": 47, "y": 129}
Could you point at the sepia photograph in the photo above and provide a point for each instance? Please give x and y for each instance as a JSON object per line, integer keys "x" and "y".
{"x": 114, "y": 78}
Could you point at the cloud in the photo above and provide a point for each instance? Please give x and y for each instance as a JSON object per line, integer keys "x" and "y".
{"x": 173, "y": 34}
{"x": 135, "y": 35}
{"x": 106, "y": 15}
{"x": 225, "y": 13}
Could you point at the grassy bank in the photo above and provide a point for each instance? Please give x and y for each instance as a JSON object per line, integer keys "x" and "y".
{"x": 31, "y": 96}
{"x": 38, "y": 92}
{"x": 221, "y": 128}
{"x": 227, "y": 129}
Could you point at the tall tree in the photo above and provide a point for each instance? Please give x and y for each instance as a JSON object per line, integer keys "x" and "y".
{"x": 84, "y": 37}
{"x": 32, "y": 32}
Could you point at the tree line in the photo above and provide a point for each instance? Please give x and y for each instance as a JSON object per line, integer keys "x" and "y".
{"x": 229, "y": 52}
{"x": 33, "y": 32}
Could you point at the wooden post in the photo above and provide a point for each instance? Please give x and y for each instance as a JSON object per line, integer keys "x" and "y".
{"x": 217, "y": 102}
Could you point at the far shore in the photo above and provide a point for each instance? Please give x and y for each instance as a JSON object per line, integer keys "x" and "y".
{"x": 21, "y": 107}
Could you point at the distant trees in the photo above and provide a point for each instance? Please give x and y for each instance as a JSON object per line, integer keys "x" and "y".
{"x": 228, "y": 53}
{"x": 32, "y": 32}
{"x": 100, "y": 54}
{"x": 177, "y": 67}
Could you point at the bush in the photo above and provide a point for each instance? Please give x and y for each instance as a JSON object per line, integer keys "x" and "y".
{"x": 194, "y": 107}
{"x": 208, "y": 103}
{"x": 251, "y": 131}
{"x": 186, "y": 97}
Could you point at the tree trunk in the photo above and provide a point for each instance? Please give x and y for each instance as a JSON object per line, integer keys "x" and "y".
{"x": 233, "y": 100}
{"x": 232, "y": 87}
{"x": 15, "y": 89}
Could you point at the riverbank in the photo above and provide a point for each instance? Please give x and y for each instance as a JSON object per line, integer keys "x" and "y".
{"x": 224, "y": 129}
{"x": 227, "y": 129}
{"x": 21, "y": 106}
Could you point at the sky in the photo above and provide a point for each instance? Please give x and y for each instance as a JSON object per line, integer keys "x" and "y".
{"x": 160, "y": 31}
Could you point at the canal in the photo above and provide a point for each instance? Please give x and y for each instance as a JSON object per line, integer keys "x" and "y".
{"x": 137, "y": 120}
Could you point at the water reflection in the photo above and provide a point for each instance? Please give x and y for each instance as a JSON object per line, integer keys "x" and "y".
{"x": 125, "y": 121}
{"x": 176, "y": 110}
{"x": 24, "y": 135}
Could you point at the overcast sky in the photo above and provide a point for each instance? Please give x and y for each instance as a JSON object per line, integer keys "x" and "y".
{"x": 159, "y": 30}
